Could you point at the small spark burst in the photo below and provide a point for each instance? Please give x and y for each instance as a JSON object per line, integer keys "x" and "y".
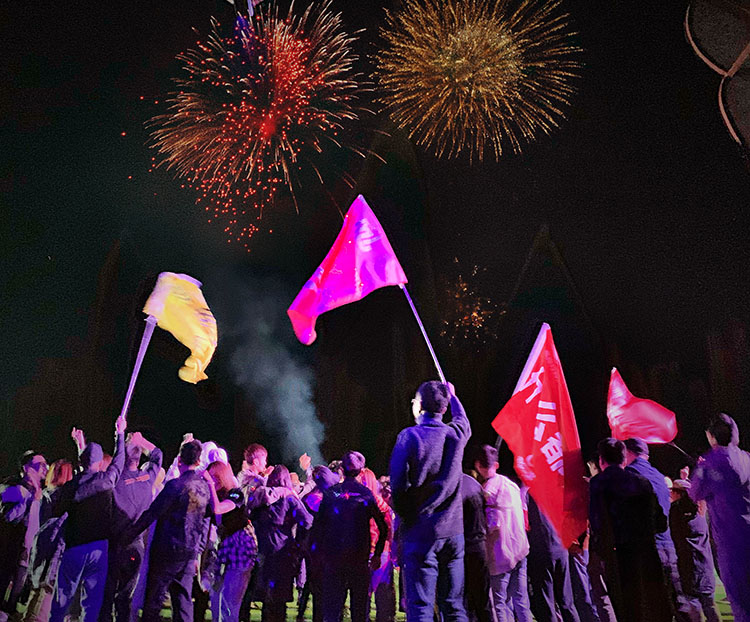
{"x": 470, "y": 316}
{"x": 256, "y": 108}
{"x": 477, "y": 74}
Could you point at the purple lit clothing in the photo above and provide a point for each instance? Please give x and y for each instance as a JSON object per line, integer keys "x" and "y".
{"x": 722, "y": 478}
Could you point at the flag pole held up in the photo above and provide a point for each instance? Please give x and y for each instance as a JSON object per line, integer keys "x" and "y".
{"x": 147, "y": 332}
{"x": 424, "y": 332}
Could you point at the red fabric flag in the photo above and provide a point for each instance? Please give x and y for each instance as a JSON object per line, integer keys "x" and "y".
{"x": 635, "y": 417}
{"x": 360, "y": 260}
{"x": 540, "y": 428}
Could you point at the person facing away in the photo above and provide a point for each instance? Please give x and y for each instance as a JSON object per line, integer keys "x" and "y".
{"x": 341, "y": 534}
{"x": 182, "y": 512}
{"x": 722, "y": 479}
{"x": 88, "y": 501}
{"x": 693, "y": 546}
{"x": 625, "y": 515}
{"x": 426, "y": 472}
{"x": 549, "y": 569}
{"x": 685, "y": 609}
{"x": 278, "y": 526}
{"x": 132, "y": 496}
{"x": 476, "y": 572}
{"x": 507, "y": 543}
{"x": 21, "y": 499}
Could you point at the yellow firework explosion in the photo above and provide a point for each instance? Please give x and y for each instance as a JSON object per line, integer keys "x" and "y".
{"x": 473, "y": 74}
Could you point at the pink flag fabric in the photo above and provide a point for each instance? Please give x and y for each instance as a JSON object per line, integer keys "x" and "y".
{"x": 360, "y": 261}
{"x": 635, "y": 417}
{"x": 539, "y": 426}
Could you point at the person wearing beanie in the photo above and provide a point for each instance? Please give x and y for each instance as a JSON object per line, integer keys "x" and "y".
{"x": 722, "y": 479}
{"x": 88, "y": 501}
{"x": 426, "y": 472}
{"x": 685, "y": 609}
{"x": 341, "y": 536}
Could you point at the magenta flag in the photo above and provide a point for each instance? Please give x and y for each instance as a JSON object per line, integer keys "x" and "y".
{"x": 635, "y": 417}
{"x": 360, "y": 261}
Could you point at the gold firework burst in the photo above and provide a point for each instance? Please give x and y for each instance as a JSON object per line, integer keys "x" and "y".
{"x": 467, "y": 74}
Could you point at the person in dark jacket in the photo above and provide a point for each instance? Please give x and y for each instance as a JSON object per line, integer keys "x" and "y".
{"x": 278, "y": 549}
{"x": 685, "y": 609}
{"x": 19, "y": 522}
{"x": 342, "y": 535}
{"x": 426, "y": 472}
{"x": 692, "y": 544}
{"x": 722, "y": 479}
{"x": 549, "y": 570}
{"x": 132, "y": 496}
{"x": 182, "y": 512}
{"x": 624, "y": 516}
{"x": 87, "y": 499}
{"x": 476, "y": 573}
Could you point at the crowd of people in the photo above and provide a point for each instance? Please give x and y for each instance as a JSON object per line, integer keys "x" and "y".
{"x": 116, "y": 536}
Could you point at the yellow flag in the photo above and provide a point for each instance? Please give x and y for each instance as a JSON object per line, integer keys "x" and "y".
{"x": 180, "y": 308}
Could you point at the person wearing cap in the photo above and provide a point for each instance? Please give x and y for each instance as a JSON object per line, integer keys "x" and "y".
{"x": 624, "y": 516}
{"x": 341, "y": 535}
{"x": 88, "y": 501}
{"x": 686, "y": 609}
{"x": 689, "y": 528}
{"x": 19, "y": 523}
{"x": 722, "y": 479}
{"x": 426, "y": 472}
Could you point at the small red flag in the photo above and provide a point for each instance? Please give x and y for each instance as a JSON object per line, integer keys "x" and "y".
{"x": 360, "y": 260}
{"x": 540, "y": 428}
{"x": 635, "y": 417}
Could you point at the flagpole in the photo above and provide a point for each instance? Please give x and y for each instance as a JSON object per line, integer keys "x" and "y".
{"x": 424, "y": 332}
{"x": 147, "y": 332}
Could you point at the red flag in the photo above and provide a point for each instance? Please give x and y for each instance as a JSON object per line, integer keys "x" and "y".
{"x": 635, "y": 417}
{"x": 360, "y": 260}
{"x": 540, "y": 428}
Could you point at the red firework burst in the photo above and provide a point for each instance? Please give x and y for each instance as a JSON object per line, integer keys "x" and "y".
{"x": 257, "y": 107}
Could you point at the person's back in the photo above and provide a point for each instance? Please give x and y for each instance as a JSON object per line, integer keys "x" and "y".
{"x": 426, "y": 491}
{"x": 476, "y": 572}
{"x": 722, "y": 479}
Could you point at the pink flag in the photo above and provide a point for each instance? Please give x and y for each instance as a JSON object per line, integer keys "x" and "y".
{"x": 539, "y": 426}
{"x": 634, "y": 417}
{"x": 360, "y": 260}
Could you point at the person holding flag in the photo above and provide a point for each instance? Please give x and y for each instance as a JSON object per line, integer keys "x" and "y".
{"x": 426, "y": 491}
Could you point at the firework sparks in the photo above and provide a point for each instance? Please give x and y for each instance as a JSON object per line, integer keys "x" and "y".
{"x": 477, "y": 74}
{"x": 470, "y": 315}
{"x": 256, "y": 108}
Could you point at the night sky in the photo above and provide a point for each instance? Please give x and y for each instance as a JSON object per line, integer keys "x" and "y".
{"x": 631, "y": 220}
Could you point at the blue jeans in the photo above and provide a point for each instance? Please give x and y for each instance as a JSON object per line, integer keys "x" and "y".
{"x": 510, "y": 594}
{"x": 434, "y": 569}
{"x": 227, "y": 598}
{"x": 83, "y": 566}
{"x": 579, "y": 581}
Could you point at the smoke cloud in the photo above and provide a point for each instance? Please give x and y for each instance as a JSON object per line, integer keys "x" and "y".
{"x": 267, "y": 362}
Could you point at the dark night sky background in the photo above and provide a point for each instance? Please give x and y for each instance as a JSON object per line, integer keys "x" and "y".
{"x": 644, "y": 194}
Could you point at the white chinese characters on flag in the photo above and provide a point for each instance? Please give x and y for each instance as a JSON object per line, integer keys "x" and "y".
{"x": 540, "y": 428}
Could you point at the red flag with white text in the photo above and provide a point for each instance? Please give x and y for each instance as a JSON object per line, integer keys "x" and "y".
{"x": 539, "y": 426}
{"x": 360, "y": 261}
{"x": 635, "y": 417}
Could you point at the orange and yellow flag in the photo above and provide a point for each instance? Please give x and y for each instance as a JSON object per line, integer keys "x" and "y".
{"x": 179, "y": 307}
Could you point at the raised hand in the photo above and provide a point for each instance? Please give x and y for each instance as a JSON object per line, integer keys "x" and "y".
{"x": 121, "y": 425}
{"x": 305, "y": 461}
{"x": 78, "y": 438}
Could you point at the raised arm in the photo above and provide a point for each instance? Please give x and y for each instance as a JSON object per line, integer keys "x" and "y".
{"x": 459, "y": 420}
{"x": 106, "y": 480}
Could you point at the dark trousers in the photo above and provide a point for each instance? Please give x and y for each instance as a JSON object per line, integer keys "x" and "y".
{"x": 434, "y": 572}
{"x": 13, "y": 576}
{"x": 581, "y": 584}
{"x": 685, "y": 608}
{"x": 550, "y": 585}
{"x": 477, "y": 585}
{"x": 122, "y": 578}
{"x": 336, "y": 583}
{"x": 175, "y": 577}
